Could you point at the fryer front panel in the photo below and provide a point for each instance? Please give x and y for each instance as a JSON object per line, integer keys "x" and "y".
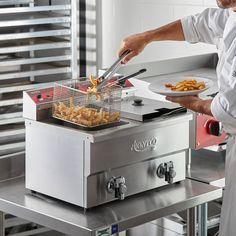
{"x": 139, "y": 177}
{"x": 136, "y": 147}
{"x": 57, "y": 160}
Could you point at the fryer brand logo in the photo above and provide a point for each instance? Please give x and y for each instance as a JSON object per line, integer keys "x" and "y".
{"x": 144, "y": 145}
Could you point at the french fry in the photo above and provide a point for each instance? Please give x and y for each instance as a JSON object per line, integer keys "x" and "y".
{"x": 186, "y": 85}
{"x": 72, "y": 102}
{"x": 84, "y": 115}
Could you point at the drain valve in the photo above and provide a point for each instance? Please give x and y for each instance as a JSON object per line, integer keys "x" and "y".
{"x": 166, "y": 170}
{"x": 117, "y": 185}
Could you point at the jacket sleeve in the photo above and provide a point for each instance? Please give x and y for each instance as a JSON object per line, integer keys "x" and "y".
{"x": 206, "y": 27}
{"x": 223, "y": 106}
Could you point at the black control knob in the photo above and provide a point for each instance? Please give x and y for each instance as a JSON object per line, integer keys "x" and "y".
{"x": 214, "y": 128}
{"x": 138, "y": 102}
{"x": 39, "y": 96}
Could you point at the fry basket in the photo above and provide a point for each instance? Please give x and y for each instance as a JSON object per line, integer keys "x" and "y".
{"x": 71, "y": 103}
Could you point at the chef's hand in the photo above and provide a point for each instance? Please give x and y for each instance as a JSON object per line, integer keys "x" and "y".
{"x": 135, "y": 43}
{"x": 193, "y": 103}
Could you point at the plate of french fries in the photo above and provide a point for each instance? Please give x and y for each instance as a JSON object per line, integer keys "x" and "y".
{"x": 181, "y": 86}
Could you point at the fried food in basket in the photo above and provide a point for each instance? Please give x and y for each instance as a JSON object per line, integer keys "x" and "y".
{"x": 186, "y": 85}
{"x": 86, "y": 116}
{"x": 94, "y": 82}
{"x": 92, "y": 90}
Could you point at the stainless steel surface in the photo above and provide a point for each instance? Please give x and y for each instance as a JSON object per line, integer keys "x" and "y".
{"x": 97, "y": 156}
{"x": 39, "y": 44}
{"x": 15, "y": 2}
{"x": 27, "y": 9}
{"x": 74, "y": 38}
{"x": 2, "y": 224}
{"x": 151, "y": 230}
{"x": 12, "y": 165}
{"x": 38, "y": 31}
{"x": 174, "y": 222}
{"x": 177, "y": 223}
{"x": 90, "y": 167}
{"x": 121, "y": 80}
{"x": 12, "y": 134}
{"x": 201, "y": 63}
{"x": 208, "y": 167}
{"x": 111, "y": 70}
{"x": 39, "y": 70}
{"x": 35, "y": 18}
{"x": 15, "y": 226}
{"x": 14, "y": 120}
{"x": 12, "y": 148}
{"x": 35, "y": 60}
{"x": 129, "y": 213}
{"x": 192, "y": 222}
{"x": 202, "y": 219}
{"x": 148, "y": 110}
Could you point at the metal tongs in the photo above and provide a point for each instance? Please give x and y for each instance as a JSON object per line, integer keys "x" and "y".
{"x": 111, "y": 71}
{"x": 122, "y": 80}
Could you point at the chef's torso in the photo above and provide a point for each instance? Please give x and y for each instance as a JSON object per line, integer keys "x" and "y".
{"x": 226, "y": 68}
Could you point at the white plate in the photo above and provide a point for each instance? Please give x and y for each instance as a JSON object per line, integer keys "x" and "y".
{"x": 159, "y": 86}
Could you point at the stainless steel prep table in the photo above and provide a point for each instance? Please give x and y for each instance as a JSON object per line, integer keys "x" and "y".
{"x": 208, "y": 167}
{"x": 132, "y": 212}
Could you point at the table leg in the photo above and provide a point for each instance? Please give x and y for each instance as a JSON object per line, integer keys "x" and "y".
{"x": 2, "y": 222}
{"x": 202, "y": 219}
{"x": 192, "y": 221}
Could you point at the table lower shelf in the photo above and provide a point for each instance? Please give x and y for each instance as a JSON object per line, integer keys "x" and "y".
{"x": 121, "y": 215}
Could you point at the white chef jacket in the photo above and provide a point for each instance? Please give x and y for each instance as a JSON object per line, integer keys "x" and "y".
{"x": 218, "y": 26}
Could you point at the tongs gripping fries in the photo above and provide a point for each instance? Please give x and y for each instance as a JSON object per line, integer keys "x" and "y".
{"x": 111, "y": 71}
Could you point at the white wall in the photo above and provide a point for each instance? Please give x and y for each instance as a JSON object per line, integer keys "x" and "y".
{"x": 124, "y": 17}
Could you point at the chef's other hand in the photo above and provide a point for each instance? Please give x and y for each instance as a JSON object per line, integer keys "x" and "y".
{"x": 135, "y": 43}
{"x": 193, "y": 103}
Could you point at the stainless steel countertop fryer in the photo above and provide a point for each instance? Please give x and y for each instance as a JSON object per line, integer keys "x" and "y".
{"x": 143, "y": 150}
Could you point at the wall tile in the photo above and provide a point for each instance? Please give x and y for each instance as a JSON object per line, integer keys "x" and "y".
{"x": 154, "y": 15}
{"x": 122, "y": 18}
{"x": 210, "y": 3}
{"x": 181, "y": 11}
{"x": 173, "y": 2}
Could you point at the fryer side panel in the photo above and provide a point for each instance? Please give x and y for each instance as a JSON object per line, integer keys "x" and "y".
{"x": 54, "y": 162}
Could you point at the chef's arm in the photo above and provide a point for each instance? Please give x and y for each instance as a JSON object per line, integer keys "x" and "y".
{"x": 206, "y": 27}
{"x": 193, "y": 103}
{"x": 136, "y": 43}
